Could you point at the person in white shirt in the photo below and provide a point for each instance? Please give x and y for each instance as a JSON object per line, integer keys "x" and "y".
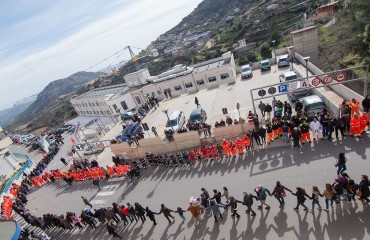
{"x": 316, "y": 127}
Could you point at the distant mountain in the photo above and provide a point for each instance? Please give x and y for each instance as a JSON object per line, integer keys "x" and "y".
{"x": 7, "y": 116}
{"x": 52, "y": 105}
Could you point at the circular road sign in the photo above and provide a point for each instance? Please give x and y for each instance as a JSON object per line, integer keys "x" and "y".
{"x": 341, "y": 76}
{"x": 316, "y": 82}
{"x": 271, "y": 90}
{"x": 327, "y": 79}
{"x": 261, "y": 93}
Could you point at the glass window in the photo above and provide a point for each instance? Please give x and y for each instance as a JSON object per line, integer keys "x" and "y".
{"x": 224, "y": 76}
{"x": 212, "y": 79}
{"x": 137, "y": 99}
{"x": 188, "y": 85}
{"x": 178, "y": 88}
{"x": 200, "y": 82}
{"x": 124, "y": 105}
{"x": 116, "y": 108}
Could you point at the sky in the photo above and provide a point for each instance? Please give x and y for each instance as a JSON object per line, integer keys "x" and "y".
{"x": 43, "y": 40}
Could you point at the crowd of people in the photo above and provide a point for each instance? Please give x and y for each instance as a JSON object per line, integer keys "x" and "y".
{"x": 215, "y": 203}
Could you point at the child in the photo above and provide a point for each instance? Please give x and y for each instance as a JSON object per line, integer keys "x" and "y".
{"x": 180, "y": 211}
{"x": 315, "y": 198}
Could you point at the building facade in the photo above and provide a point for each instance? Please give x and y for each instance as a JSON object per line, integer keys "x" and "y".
{"x": 140, "y": 86}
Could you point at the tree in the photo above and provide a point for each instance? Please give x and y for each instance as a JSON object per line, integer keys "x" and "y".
{"x": 367, "y": 35}
{"x": 252, "y": 57}
{"x": 265, "y": 52}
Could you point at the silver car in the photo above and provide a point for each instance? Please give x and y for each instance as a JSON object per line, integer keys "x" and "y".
{"x": 284, "y": 61}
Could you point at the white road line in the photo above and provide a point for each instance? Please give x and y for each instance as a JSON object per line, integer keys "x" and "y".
{"x": 116, "y": 179}
{"x": 105, "y": 193}
{"x": 111, "y": 186}
{"x": 96, "y": 202}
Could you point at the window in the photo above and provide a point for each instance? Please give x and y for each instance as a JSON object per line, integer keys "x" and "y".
{"x": 188, "y": 85}
{"x": 137, "y": 99}
{"x": 178, "y": 88}
{"x": 224, "y": 76}
{"x": 200, "y": 82}
{"x": 124, "y": 105}
{"x": 97, "y": 104}
{"x": 90, "y": 104}
{"x": 101, "y": 112}
{"x": 116, "y": 108}
{"x": 212, "y": 79}
{"x": 90, "y": 112}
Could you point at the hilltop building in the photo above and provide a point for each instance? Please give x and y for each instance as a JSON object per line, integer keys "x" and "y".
{"x": 140, "y": 85}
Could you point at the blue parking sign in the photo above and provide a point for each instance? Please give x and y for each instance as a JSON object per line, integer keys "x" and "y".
{"x": 283, "y": 88}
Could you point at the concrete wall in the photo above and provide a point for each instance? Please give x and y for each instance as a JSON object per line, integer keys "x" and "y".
{"x": 127, "y": 98}
{"x": 305, "y": 42}
{"x": 183, "y": 141}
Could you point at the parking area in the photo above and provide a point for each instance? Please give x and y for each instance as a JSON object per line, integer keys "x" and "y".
{"x": 212, "y": 101}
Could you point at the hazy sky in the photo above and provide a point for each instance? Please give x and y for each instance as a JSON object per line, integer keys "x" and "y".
{"x": 43, "y": 40}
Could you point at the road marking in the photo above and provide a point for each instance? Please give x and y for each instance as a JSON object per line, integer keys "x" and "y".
{"x": 96, "y": 202}
{"x": 36, "y": 208}
{"x": 116, "y": 179}
{"x": 105, "y": 193}
{"x": 111, "y": 186}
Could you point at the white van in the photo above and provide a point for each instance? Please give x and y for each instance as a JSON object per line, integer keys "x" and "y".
{"x": 176, "y": 121}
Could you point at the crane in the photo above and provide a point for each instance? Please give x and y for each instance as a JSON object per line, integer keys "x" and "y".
{"x": 26, "y": 100}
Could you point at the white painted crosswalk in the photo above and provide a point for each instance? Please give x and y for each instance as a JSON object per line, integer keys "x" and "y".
{"x": 105, "y": 193}
{"x": 111, "y": 187}
{"x": 116, "y": 179}
{"x": 98, "y": 202}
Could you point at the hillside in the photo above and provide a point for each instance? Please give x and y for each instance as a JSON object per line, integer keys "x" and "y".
{"x": 52, "y": 106}
{"x": 7, "y": 116}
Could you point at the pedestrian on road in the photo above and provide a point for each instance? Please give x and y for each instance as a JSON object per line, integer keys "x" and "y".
{"x": 341, "y": 163}
{"x": 233, "y": 204}
{"x": 96, "y": 182}
{"x": 181, "y": 212}
{"x": 205, "y": 192}
{"x": 63, "y": 161}
{"x": 315, "y": 198}
{"x": 132, "y": 212}
{"x": 154, "y": 130}
{"x": 140, "y": 211}
{"x": 268, "y": 110}
{"x": 329, "y": 194}
{"x": 366, "y": 103}
{"x": 195, "y": 211}
{"x": 301, "y": 198}
{"x": 262, "y": 195}
{"x": 197, "y": 102}
{"x": 215, "y": 208}
{"x": 338, "y": 126}
{"x": 216, "y": 196}
{"x": 112, "y": 229}
{"x": 279, "y": 193}
{"x": 262, "y": 107}
{"x": 167, "y": 213}
{"x": 364, "y": 188}
{"x": 150, "y": 215}
{"x": 248, "y": 202}
{"x": 86, "y": 202}
{"x": 225, "y": 194}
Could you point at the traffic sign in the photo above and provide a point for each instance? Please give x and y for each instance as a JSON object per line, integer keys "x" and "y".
{"x": 261, "y": 93}
{"x": 341, "y": 76}
{"x": 238, "y": 106}
{"x": 271, "y": 90}
{"x": 316, "y": 82}
{"x": 327, "y": 79}
{"x": 283, "y": 88}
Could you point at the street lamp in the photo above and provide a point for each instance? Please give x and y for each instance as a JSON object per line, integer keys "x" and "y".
{"x": 291, "y": 57}
{"x": 306, "y": 59}
{"x": 273, "y": 46}
{"x": 165, "y": 111}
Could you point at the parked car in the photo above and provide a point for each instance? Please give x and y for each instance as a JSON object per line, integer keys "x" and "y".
{"x": 284, "y": 60}
{"x": 35, "y": 145}
{"x": 246, "y": 71}
{"x": 71, "y": 129}
{"x": 265, "y": 65}
{"x": 130, "y": 130}
{"x": 176, "y": 121}
{"x": 197, "y": 115}
{"x": 92, "y": 151}
{"x": 312, "y": 105}
{"x": 127, "y": 115}
{"x": 295, "y": 90}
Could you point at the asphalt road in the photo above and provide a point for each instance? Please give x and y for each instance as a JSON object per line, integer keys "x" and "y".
{"x": 303, "y": 167}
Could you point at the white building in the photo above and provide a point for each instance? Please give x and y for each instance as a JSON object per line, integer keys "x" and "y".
{"x": 155, "y": 53}
{"x": 8, "y": 163}
{"x": 140, "y": 86}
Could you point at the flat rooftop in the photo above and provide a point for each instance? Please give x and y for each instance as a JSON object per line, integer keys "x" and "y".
{"x": 109, "y": 91}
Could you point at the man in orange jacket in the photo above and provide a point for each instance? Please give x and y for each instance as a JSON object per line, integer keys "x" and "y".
{"x": 355, "y": 105}
{"x": 239, "y": 145}
{"x": 355, "y": 125}
{"x": 226, "y": 146}
{"x": 247, "y": 142}
{"x": 364, "y": 120}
